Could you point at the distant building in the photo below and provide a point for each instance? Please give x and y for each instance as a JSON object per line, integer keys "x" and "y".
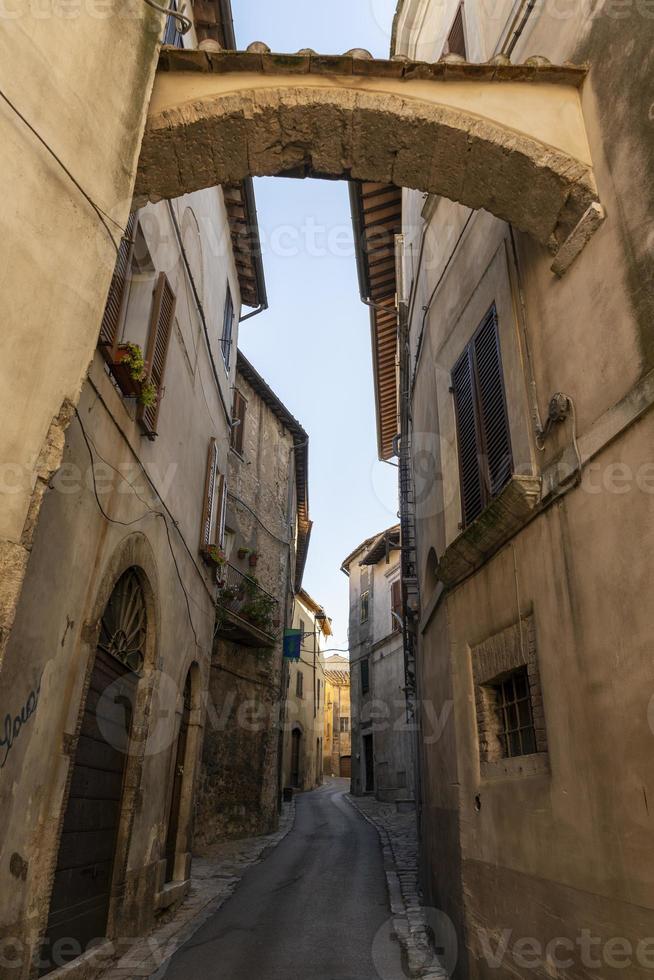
{"x": 337, "y": 746}
{"x": 382, "y": 742}
{"x": 303, "y": 728}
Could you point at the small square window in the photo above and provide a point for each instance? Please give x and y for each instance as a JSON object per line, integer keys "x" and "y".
{"x": 515, "y": 718}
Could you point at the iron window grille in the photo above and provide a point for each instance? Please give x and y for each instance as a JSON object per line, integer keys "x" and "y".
{"x": 515, "y": 717}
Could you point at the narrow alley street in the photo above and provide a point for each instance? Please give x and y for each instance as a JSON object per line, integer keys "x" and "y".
{"x": 314, "y": 907}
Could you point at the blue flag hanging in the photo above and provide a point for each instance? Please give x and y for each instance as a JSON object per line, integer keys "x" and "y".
{"x": 292, "y": 644}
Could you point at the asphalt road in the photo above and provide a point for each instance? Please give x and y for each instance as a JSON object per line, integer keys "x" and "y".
{"x": 314, "y": 909}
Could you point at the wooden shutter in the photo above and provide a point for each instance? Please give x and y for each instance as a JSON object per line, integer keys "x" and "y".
{"x": 228, "y": 322}
{"x": 116, "y": 300}
{"x": 493, "y": 416}
{"x": 208, "y": 508}
{"x": 221, "y": 510}
{"x": 456, "y": 39}
{"x": 473, "y": 497}
{"x": 161, "y": 324}
{"x": 238, "y": 413}
{"x": 485, "y": 457}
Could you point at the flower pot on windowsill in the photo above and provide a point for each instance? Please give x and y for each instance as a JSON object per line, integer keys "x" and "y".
{"x": 214, "y": 557}
{"x": 128, "y": 368}
{"x": 252, "y": 560}
{"x": 243, "y": 553}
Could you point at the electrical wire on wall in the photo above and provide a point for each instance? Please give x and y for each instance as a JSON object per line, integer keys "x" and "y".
{"x": 102, "y": 215}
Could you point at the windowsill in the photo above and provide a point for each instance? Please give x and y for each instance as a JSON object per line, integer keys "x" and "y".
{"x": 537, "y": 764}
{"x": 505, "y": 515}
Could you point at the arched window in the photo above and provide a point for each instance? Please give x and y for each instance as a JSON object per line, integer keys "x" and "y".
{"x": 124, "y": 622}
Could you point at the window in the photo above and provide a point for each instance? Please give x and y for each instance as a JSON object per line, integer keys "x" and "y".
{"x": 299, "y": 684}
{"x": 172, "y": 34}
{"x": 212, "y": 531}
{"x": 456, "y": 39}
{"x": 238, "y": 423}
{"x": 396, "y": 605}
{"x": 156, "y": 353}
{"x": 365, "y": 606}
{"x": 365, "y": 676}
{"x": 114, "y": 311}
{"x": 228, "y": 325}
{"x": 318, "y": 694}
{"x": 485, "y": 458}
{"x": 303, "y": 630}
{"x": 515, "y": 715}
{"x": 345, "y": 724}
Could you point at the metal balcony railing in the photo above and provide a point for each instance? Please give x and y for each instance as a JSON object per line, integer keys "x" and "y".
{"x": 247, "y": 613}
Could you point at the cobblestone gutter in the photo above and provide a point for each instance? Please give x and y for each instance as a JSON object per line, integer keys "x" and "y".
{"x": 399, "y": 839}
{"x": 213, "y": 880}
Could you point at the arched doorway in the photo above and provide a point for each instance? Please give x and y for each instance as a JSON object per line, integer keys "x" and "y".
{"x": 296, "y": 743}
{"x": 180, "y": 776}
{"x": 81, "y": 891}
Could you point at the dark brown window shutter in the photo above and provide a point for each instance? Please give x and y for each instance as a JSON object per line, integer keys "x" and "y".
{"x": 208, "y": 508}
{"x": 456, "y": 39}
{"x": 238, "y": 413}
{"x": 221, "y": 510}
{"x": 485, "y": 458}
{"x": 228, "y": 327}
{"x": 161, "y": 324}
{"x": 495, "y": 436}
{"x": 114, "y": 309}
{"x": 472, "y": 492}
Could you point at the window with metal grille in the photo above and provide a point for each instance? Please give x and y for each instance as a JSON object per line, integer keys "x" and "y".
{"x": 484, "y": 440}
{"x": 238, "y": 423}
{"x": 364, "y": 607}
{"x": 299, "y": 684}
{"x": 156, "y": 354}
{"x": 365, "y": 676}
{"x": 212, "y": 531}
{"x": 515, "y": 718}
{"x": 456, "y": 39}
{"x": 396, "y": 605}
{"x": 228, "y": 326}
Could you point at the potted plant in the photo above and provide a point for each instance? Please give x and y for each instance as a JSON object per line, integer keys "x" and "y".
{"x": 128, "y": 368}
{"x": 243, "y": 553}
{"x": 276, "y": 622}
{"x": 253, "y": 559}
{"x": 215, "y": 556}
{"x": 148, "y": 394}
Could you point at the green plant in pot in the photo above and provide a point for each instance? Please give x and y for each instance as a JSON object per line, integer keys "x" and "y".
{"x": 148, "y": 394}
{"x": 131, "y": 356}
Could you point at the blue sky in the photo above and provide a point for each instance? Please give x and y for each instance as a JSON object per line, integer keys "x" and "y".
{"x": 313, "y": 344}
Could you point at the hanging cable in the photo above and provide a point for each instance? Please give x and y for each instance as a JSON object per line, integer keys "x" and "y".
{"x": 186, "y": 24}
{"x": 98, "y": 210}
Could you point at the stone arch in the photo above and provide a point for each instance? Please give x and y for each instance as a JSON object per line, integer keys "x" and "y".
{"x": 508, "y": 139}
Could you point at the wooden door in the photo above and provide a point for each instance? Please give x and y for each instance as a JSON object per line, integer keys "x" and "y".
{"x": 370, "y": 763}
{"x": 79, "y": 905}
{"x": 296, "y": 738}
{"x": 178, "y": 782}
{"x": 346, "y": 766}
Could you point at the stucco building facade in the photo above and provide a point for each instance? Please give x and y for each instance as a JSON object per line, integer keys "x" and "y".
{"x": 382, "y": 739}
{"x": 267, "y": 530}
{"x": 522, "y": 417}
{"x": 337, "y": 745}
{"x": 304, "y": 709}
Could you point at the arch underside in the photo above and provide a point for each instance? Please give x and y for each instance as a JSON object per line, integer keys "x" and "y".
{"x": 197, "y": 138}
